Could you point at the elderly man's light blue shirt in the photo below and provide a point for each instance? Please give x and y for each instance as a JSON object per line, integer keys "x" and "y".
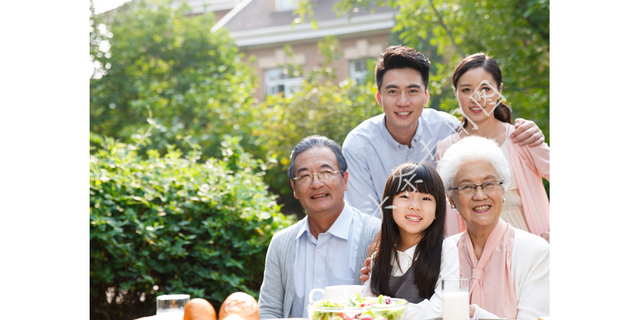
{"x": 327, "y": 261}
{"x": 372, "y": 154}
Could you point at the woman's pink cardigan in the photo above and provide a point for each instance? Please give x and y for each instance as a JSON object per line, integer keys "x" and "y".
{"x": 528, "y": 164}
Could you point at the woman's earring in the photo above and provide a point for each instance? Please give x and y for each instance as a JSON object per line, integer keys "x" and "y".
{"x": 504, "y": 199}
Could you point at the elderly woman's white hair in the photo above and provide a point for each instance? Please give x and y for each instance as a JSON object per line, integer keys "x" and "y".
{"x": 472, "y": 149}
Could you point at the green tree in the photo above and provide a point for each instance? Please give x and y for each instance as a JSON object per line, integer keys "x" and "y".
{"x": 151, "y": 59}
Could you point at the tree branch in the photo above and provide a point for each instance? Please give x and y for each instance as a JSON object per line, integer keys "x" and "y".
{"x": 536, "y": 28}
{"x": 460, "y": 51}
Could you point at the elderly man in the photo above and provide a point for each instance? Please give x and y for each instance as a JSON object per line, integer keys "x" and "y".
{"x": 328, "y": 247}
{"x": 406, "y": 131}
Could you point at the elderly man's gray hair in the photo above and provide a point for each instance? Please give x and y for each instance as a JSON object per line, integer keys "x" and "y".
{"x": 472, "y": 149}
{"x": 317, "y": 141}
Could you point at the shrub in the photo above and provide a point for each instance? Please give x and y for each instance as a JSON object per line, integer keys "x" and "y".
{"x": 168, "y": 224}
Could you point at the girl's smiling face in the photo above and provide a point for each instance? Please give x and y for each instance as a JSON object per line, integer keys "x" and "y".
{"x": 413, "y": 212}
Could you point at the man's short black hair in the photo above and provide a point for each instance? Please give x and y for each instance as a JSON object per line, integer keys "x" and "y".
{"x": 400, "y": 57}
{"x": 317, "y": 141}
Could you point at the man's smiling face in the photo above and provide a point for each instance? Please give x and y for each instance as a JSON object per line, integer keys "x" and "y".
{"x": 402, "y": 96}
{"x": 319, "y": 197}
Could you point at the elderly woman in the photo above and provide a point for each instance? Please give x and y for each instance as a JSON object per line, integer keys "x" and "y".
{"x": 508, "y": 268}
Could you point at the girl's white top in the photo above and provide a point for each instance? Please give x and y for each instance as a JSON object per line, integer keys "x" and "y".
{"x": 449, "y": 268}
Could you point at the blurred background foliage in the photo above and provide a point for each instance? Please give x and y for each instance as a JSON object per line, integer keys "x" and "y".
{"x": 174, "y": 224}
{"x": 161, "y": 61}
{"x": 186, "y": 166}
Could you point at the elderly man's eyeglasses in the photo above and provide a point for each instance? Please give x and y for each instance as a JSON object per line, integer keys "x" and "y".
{"x": 322, "y": 176}
{"x": 471, "y": 188}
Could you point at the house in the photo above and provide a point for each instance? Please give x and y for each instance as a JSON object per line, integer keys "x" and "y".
{"x": 261, "y": 28}
{"x": 219, "y": 7}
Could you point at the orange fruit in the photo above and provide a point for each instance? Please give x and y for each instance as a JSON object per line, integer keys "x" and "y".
{"x": 239, "y": 304}
{"x": 199, "y": 309}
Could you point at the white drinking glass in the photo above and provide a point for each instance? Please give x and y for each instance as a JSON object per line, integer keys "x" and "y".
{"x": 455, "y": 299}
{"x": 171, "y": 306}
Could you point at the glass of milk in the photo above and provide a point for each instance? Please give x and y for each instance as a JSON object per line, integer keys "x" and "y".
{"x": 455, "y": 298}
{"x": 171, "y": 306}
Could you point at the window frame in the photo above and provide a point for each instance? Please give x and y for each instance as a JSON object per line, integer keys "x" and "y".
{"x": 276, "y": 81}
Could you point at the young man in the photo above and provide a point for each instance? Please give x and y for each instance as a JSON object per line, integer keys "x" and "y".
{"x": 328, "y": 247}
{"x": 406, "y": 131}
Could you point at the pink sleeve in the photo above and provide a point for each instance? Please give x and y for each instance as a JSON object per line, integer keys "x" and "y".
{"x": 529, "y": 164}
{"x": 540, "y": 159}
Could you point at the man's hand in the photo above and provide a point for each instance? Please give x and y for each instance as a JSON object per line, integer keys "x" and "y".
{"x": 366, "y": 270}
{"x": 527, "y": 133}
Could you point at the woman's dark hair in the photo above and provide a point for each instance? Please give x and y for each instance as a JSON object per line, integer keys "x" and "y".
{"x": 502, "y": 111}
{"x": 426, "y": 261}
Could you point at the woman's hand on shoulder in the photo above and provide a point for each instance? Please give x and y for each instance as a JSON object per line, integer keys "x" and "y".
{"x": 527, "y": 133}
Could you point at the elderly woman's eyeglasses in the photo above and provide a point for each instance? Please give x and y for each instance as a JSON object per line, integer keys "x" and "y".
{"x": 471, "y": 188}
{"x": 322, "y": 176}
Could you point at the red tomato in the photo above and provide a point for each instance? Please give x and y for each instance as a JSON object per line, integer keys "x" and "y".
{"x": 345, "y": 316}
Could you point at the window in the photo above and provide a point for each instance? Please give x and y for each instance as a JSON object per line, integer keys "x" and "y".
{"x": 358, "y": 70}
{"x": 276, "y": 81}
{"x": 286, "y": 5}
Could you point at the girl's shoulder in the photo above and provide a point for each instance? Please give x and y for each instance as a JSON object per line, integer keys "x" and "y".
{"x": 452, "y": 240}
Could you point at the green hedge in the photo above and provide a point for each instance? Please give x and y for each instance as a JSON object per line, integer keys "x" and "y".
{"x": 170, "y": 224}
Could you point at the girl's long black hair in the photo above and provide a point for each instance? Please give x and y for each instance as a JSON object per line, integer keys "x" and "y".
{"x": 428, "y": 254}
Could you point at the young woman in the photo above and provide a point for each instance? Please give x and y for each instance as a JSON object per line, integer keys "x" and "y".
{"x": 412, "y": 255}
{"x": 477, "y": 82}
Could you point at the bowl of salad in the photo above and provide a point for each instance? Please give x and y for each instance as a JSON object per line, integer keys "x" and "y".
{"x": 359, "y": 308}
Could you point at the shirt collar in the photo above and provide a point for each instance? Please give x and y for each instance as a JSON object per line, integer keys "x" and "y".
{"x": 405, "y": 260}
{"x": 418, "y": 134}
{"x": 304, "y": 227}
{"x": 339, "y": 228}
{"x": 387, "y": 135}
{"x": 409, "y": 252}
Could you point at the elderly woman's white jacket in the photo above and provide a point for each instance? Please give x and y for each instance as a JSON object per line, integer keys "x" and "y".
{"x": 530, "y": 274}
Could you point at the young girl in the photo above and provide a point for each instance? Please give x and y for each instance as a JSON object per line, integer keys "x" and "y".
{"x": 477, "y": 82}
{"x": 412, "y": 255}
